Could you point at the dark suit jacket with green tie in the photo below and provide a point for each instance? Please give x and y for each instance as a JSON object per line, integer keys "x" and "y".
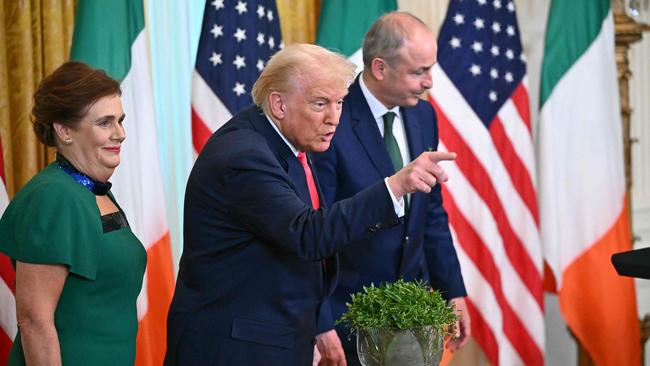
{"x": 419, "y": 248}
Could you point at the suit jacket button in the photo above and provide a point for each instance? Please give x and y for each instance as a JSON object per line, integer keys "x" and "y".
{"x": 378, "y": 225}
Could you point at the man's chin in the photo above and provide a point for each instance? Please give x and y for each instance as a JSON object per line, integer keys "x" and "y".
{"x": 321, "y": 147}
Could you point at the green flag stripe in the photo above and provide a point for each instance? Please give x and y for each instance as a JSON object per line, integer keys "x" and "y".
{"x": 343, "y": 23}
{"x": 104, "y": 32}
{"x": 572, "y": 27}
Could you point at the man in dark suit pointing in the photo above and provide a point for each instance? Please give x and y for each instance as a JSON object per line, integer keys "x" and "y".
{"x": 259, "y": 246}
{"x": 384, "y": 125}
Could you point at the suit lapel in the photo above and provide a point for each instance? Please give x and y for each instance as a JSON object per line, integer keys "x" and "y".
{"x": 413, "y": 133}
{"x": 365, "y": 128}
{"x": 414, "y": 141}
{"x": 283, "y": 153}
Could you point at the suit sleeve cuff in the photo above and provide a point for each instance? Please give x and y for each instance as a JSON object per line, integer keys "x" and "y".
{"x": 325, "y": 318}
{"x": 398, "y": 205}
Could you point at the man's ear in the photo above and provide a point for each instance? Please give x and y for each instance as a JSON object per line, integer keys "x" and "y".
{"x": 62, "y": 131}
{"x": 378, "y": 68}
{"x": 277, "y": 107}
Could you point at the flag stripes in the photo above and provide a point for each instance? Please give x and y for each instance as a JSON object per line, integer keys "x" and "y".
{"x": 8, "y": 325}
{"x": 583, "y": 211}
{"x": 520, "y": 99}
{"x": 473, "y": 168}
{"x": 481, "y": 101}
{"x": 208, "y": 112}
{"x": 235, "y": 44}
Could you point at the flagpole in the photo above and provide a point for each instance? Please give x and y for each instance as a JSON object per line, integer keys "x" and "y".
{"x": 627, "y": 32}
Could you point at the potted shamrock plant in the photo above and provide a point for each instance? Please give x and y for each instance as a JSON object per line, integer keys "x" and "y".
{"x": 399, "y": 324}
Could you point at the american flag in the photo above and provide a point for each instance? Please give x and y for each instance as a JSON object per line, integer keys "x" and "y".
{"x": 237, "y": 39}
{"x": 480, "y": 96}
{"x": 8, "y": 326}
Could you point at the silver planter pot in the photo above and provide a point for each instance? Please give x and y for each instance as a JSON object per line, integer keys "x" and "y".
{"x": 392, "y": 347}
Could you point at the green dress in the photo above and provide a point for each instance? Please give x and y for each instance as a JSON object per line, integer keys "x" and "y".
{"x": 55, "y": 220}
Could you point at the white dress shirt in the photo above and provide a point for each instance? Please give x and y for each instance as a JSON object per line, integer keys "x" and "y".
{"x": 378, "y": 110}
{"x": 398, "y": 205}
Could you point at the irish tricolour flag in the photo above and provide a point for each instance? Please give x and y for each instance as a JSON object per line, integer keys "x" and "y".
{"x": 111, "y": 35}
{"x": 583, "y": 206}
{"x": 343, "y": 24}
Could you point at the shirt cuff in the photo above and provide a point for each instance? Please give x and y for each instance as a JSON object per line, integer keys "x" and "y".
{"x": 398, "y": 205}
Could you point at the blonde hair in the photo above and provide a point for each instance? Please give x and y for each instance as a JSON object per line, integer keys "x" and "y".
{"x": 301, "y": 63}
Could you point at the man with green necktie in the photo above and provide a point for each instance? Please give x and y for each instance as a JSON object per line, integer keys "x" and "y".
{"x": 383, "y": 127}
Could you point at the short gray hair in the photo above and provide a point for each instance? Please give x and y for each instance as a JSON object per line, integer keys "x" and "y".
{"x": 386, "y": 36}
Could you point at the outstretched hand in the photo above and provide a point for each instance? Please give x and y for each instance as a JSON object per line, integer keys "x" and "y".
{"x": 421, "y": 174}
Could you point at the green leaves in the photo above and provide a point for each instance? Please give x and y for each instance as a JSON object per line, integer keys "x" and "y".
{"x": 400, "y": 305}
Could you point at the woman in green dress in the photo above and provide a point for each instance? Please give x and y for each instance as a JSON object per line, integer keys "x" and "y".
{"x": 78, "y": 265}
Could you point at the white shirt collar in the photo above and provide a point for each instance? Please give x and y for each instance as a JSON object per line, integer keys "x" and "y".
{"x": 377, "y": 108}
{"x": 275, "y": 127}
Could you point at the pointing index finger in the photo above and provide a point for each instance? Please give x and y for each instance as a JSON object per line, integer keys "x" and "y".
{"x": 438, "y": 156}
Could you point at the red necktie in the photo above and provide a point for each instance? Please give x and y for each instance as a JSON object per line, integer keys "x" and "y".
{"x": 311, "y": 184}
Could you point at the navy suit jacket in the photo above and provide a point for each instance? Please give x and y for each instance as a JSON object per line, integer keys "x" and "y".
{"x": 419, "y": 248}
{"x": 251, "y": 278}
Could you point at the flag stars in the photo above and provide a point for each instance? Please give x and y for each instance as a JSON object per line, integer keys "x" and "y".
{"x": 496, "y": 4}
{"x": 522, "y": 57}
{"x": 281, "y": 46}
{"x": 454, "y": 42}
{"x": 510, "y": 30}
{"x": 239, "y": 62}
{"x": 479, "y": 23}
{"x": 508, "y": 77}
{"x": 509, "y": 54}
{"x": 475, "y": 70}
{"x": 459, "y": 19}
{"x": 260, "y": 12}
{"x": 494, "y": 50}
{"x": 239, "y": 89}
{"x": 510, "y": 6}
{"x": 216, "y": 59}
{"x": 493, "y": 96}
{"x": 271, "y": 42}
{"x": 496, "y": 27}
{"x": 477, "y": 47}
{"x": 240, "y": 34}
{"x": 494, "y": 73}
{"x": 269, "y": 15}
{"x": 217, "y": 31}
{"x": 218, "y": 4}
{"x": 482, "y": 2}
{"x": 241, "y": 7}
{"x": 260, "y": 39}
{"x": 259, "y": 65}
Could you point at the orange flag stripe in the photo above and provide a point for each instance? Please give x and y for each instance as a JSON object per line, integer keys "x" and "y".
{"x": 599, "y": 305}
{"x": 152, "y": 329}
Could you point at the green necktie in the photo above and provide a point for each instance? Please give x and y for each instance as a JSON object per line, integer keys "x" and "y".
{"x": 391, "y": 142}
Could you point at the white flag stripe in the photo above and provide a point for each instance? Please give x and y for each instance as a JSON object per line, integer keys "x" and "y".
{"x": 142, "y": 303}
{"x": 478, "y": 215}
{"x": 137, "y": 181}
{"x": 488, "y": 307}
{"x": 7, "y": 310}
{"x": 475, "y": 135}
{"x": 206, "y": 104}
{"x": 519, "y": 136}
{"x": 4, "y": 199}
{"x": 594, "y": 178}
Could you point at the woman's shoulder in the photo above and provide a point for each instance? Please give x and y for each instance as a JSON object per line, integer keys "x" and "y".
{"x": 51, "y": 182}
